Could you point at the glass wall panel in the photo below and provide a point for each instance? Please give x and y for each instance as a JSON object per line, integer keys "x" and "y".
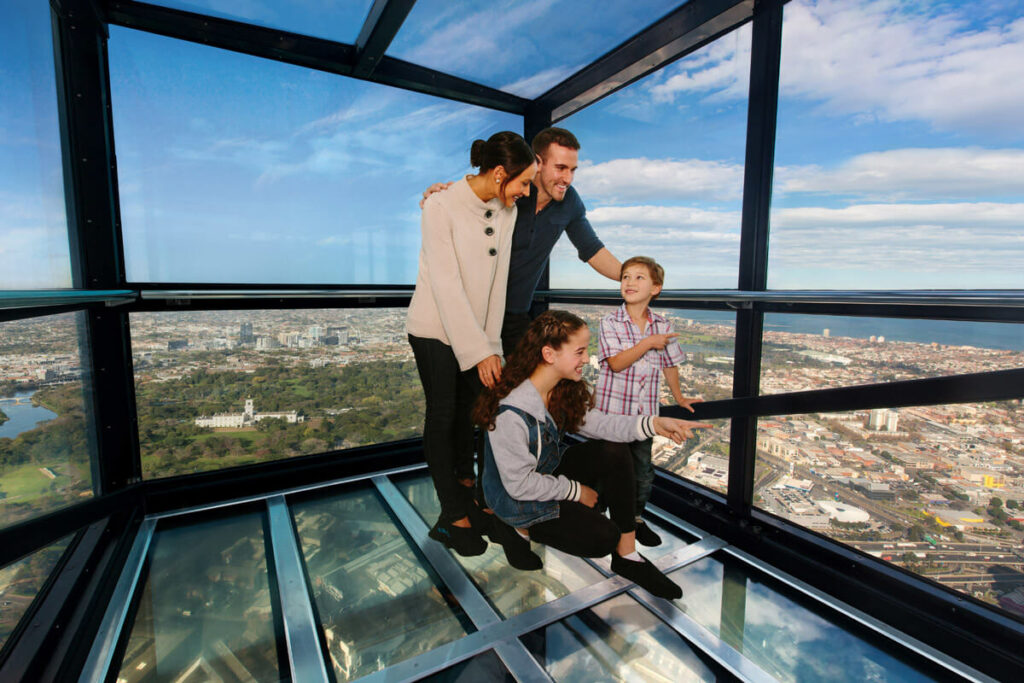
{"x": 618, "y": 640}
{"x": 21, "y": 581}
{"x": 521, "y": 48}
{"x": 222, "y": 388}
{"x": 509, "y": 590}
{"x": 33, "y": 229}
{"x": 340, "y": 21}
{"x": 46, "y": 444}
{"x": 275, "y": 173}
{"x": 707, "y": 340}
{"x": 788, "y": 635}
{"x": 206, "y": 612}
{"x": 936, "y": 490}
{"x": 379, "y": 603}
{"x": 899, "y": 160}
{"x": 803, "y": 352}
{"x": 661, "y": 170}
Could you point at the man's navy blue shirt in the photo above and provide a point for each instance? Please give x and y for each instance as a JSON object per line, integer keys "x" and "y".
{"x": 534, "y": 237}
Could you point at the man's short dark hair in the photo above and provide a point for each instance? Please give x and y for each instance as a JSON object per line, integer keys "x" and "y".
{"x": 557, "y": 136}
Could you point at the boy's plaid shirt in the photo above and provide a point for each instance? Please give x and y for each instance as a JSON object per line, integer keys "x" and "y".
{"x": 634, "y": 391}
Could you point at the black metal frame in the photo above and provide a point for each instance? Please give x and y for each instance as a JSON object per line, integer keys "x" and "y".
{"x": 980, "y": 636}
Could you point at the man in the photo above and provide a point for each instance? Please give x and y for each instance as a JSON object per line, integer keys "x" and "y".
{"x": 552, "y": 207}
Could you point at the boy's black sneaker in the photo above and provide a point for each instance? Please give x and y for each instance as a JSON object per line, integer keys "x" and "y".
{"x": 645, "y": 535}
{"x": 517, "y": 549}
{"x": 647, "y": 576}
{"x": 465, "y": 541}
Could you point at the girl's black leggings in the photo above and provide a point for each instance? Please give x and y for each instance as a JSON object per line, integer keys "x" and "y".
{"x": 448, "y": 429}
{"x": 583, "y": 531}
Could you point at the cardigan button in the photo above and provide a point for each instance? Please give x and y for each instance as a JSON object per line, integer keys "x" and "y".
{"x": 488, "y": 213}
{"x": 492, "y": 251}
{"x": 488, "y": 231}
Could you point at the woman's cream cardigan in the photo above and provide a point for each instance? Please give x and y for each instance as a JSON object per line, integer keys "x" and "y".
{"x": 460, "y": 287}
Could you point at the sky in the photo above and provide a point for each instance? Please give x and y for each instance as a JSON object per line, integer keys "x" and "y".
{"x": 899, "y": 154}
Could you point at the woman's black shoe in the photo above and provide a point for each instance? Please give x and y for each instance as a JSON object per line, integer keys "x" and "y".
{"x": 645, "y": 535}
{"x": 465, "y": 541}
{"x": 517, "y": 549}
{"x": 647, "y": 576}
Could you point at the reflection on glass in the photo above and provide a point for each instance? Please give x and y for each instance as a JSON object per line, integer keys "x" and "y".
{"x": 33, "y": 228}
{"x": 661, "y": 170}
{"x": 279, "y": 174}
{"x": 531, "y": 52}
{"x": 618, "y": 640}
{"x": 803, "y": 352}
{"x": 205, "y": 611}
{"x": 791, "y": 638}
{"x": 707, "y": 340}
{"x": 45, "y": 441}
{"x": 891, "y": 173}
{"x": 511, "y": 591}
{"x": 933, "y": 489}
{"x": 484, "y": 667}
{"x": 20, "y": 582}
{"x": 338, "y": 21}
{"x": 376, "y": 600}
{"x": 318, "y": 380}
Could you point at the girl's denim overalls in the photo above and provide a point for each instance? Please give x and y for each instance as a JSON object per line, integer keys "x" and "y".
{"x": 546, "y": 444}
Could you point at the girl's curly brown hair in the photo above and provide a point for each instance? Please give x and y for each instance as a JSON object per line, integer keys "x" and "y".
{"x": 569, "y": 400}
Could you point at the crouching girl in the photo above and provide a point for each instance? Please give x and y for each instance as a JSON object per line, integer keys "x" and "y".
{"x": 548, "y": 491}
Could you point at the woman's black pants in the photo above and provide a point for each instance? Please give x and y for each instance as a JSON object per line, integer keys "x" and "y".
{"x": 448, "y": 429}
{"x": 583, "y": 531}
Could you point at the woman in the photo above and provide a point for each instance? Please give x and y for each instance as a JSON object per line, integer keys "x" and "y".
{"x": 454, "y": 320}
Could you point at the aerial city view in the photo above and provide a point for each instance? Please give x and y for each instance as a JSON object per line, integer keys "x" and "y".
{"x": 937, "y": 490}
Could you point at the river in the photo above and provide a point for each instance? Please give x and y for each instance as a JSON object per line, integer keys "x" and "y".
{"x": 23, "y": 416}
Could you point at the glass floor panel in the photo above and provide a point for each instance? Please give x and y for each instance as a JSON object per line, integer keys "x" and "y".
{"x": 785, "y": 633}
{"x": 618, "y": 640}
{"x": 377, "y": 601}
{"x": 377, "y": 598}
{"x": 486, "y": 666}
{"x": 511, "y": 591}
{"x": 206, "y": 612}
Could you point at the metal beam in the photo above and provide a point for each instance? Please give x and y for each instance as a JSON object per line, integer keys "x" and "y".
{"x": 765, "y": 55}
{"x": 379, "y": 29}
{"x": 676, "y": 35}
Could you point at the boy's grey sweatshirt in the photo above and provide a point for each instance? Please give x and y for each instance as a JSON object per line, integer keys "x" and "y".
{"x": 517, "y": 466}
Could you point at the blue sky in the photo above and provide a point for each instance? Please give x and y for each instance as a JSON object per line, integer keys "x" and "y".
{"x": 899, "y": 156}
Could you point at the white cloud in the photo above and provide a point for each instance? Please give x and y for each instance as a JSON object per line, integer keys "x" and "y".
{"x": 474, "y": 40}
{"x": 642, "y": 178}
{"x": 965, "y": 172}
{"x": 540, "y": 82}
{"x": 979, "y": 214}
{"x": 880, "y": 60}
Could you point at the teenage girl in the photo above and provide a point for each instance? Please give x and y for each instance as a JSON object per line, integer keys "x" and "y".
{"x": 549, "y": 491}
{"x": 454, "y": 319}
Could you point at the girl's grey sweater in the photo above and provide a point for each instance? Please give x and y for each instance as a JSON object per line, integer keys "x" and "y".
{"x": 517, "y": 466}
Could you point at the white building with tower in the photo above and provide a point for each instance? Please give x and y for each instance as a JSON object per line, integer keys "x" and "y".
{"x": 249, "y": 418}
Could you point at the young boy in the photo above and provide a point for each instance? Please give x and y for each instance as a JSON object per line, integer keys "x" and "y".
{"x": 634, "y": 343}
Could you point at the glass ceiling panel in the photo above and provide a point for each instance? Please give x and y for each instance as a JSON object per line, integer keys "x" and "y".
{"x": 523, "y": 48}
{"x": 206, "y": 612}
{"x": 618, "y": 640}
{"x": 340, "y": 21}
{"x": 511, "y": 591}
{"x": 484, "y": 667}
{"x": 378, "y": 602}
{"x": 789, "y": 636}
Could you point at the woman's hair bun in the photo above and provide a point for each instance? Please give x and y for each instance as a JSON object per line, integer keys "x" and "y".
{"x": 477, "y": 152}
